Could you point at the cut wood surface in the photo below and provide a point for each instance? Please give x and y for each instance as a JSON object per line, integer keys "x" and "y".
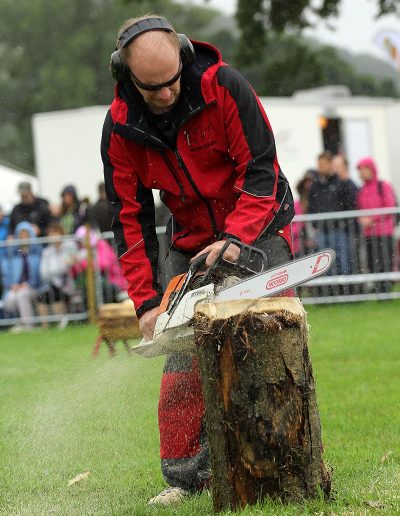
{"x": 261, "y": 411}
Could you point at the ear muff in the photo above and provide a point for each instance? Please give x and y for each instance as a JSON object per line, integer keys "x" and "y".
{"x": 187, "y": 50}
{"x": 118, "y": 69}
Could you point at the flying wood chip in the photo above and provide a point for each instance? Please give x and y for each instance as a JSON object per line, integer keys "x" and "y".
{"x": 78, "y": 478}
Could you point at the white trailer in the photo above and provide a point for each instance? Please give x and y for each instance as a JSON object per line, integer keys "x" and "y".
{"x": 67, "y": 151}
{"x": 67, "y": 143}
{"x": 358, "y": 126}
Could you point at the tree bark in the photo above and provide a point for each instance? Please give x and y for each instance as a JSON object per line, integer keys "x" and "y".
{"x": 262, "y": 417}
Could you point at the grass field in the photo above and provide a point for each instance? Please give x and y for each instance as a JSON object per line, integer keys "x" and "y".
{"x": 63, "y": 413}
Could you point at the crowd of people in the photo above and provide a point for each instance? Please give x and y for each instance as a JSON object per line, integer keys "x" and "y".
{"x": 47, "y": 277}
{"x": 329, "y": 188}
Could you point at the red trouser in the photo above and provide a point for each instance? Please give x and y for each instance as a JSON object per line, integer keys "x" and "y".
{"x": 183, "y": 450}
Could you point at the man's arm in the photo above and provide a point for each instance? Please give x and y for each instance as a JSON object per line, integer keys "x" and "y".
{"x": 252, "y": 149}
{"x": 132, "y": 207}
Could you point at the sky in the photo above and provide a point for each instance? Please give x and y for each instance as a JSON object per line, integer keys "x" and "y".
{"x": 355, "y": 27}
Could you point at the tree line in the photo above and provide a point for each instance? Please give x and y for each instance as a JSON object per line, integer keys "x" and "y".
{"x": 55, "y": 55}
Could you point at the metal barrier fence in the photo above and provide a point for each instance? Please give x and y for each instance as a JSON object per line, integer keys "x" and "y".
{"x": 57, "y": 279}
{"x": 367, "y": 245}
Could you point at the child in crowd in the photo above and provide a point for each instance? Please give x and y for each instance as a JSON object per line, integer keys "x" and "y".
{"x": 20, "y": 267}
{"x": 105, "y": 261}
{"x": 55, "y": 272}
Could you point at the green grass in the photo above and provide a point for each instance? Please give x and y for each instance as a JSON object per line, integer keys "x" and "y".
{"x": 63, "y": 413}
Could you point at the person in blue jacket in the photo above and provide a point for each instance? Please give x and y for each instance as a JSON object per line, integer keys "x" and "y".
{"x": 20, "y": 268}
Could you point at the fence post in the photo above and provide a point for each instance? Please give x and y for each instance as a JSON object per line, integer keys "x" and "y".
{"x": 90, "y": 279}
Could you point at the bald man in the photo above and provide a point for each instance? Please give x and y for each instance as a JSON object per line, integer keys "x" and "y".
{"x": 187, "y": 124}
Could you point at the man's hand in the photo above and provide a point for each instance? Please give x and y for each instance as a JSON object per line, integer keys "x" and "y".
{"x": 147, "y": 323}
{"x": 231, "y": 254}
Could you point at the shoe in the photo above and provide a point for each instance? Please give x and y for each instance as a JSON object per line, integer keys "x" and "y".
{"x": 170, "y": 496}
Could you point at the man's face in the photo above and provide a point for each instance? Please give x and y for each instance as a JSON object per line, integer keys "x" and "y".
{"x": 26, "y": 197}
{"x": 324, "y": 166}
{"x": 156, "y": 67}
{"x": 339, "y": 166}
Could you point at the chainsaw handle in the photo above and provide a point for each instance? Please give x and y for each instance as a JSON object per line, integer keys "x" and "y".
{"x": 248, "y": 257}
{"x": 199, "y": 262}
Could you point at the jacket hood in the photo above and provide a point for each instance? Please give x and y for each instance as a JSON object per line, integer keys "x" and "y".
{"x": 369, "y": 162}
{"x": 70, "y": 189}
{"x": 27, "y": 226}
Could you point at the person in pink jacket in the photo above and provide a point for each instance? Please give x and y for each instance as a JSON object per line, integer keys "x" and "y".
{"x": 377, "y": 229}
{"x": 105, "y": 261}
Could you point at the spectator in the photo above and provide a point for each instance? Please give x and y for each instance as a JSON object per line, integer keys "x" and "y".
{"x": 302, "y": 233}
{"x": 21, "y": 276}
{"x": 340, "y": 166}
{"x": 105, "y": 261}
{"x": 377, "y": 229}
{"x": 328, "y": 193}
{"x": 100, "y": 212}
{"x": 4, "y": 225}
{"x": 72, "y": 212}
{"x": 31, "y": 209}
{"x": 57, "y": 282}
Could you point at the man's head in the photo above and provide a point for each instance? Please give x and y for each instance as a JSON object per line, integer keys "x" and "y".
{"x": 153, "y": 60}
{"x": 325, "y": 164}
{"x": 25, "y": 192}
{"x": 101, "y": 188}
{"x": 340, "y": 166}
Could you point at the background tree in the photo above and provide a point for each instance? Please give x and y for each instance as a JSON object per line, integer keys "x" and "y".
{"x": 54, "y": 55}
{"x": 259, "y": 17}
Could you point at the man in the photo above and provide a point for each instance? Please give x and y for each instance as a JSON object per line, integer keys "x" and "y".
{"x": 100, "y": 211}
{"x": 340, "y": 166}
{"x": 329, "y": 193}
{"x": 31, "y": 209}
{"x": 190, "y": 126}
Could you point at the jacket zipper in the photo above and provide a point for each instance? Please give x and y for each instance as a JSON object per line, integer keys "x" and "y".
{"x": 171, "y": 168}
{"x": 197, "y": 192}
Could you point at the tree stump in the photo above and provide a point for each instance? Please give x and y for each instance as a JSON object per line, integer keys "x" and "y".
{"x": 262, "y": 417}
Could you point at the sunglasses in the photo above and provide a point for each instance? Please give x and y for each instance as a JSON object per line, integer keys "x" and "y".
{"x": 156, "y": 87}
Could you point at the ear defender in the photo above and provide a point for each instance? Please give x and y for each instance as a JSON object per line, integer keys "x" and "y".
{"x": 118, "y": 69}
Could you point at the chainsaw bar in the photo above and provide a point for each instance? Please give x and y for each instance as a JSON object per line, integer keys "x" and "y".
{"x": 172, "y": 332}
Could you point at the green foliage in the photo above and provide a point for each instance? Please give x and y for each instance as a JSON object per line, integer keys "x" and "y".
{"x": 55, "y": 56}
{"x": 290, "y": 63}
{"x": 277, "y": 16}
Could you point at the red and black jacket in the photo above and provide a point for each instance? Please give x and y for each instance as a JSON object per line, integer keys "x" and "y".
{"x": 221, "y": 179}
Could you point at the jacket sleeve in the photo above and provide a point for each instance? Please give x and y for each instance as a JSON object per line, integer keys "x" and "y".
{"x": 252, "y": 148}
{"x": 132, "y": 207}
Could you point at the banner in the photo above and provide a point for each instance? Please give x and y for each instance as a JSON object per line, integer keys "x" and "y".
{"x": 388, "y": 41}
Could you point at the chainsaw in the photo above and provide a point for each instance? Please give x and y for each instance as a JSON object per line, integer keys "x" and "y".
{"x": 248, "y": 278}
